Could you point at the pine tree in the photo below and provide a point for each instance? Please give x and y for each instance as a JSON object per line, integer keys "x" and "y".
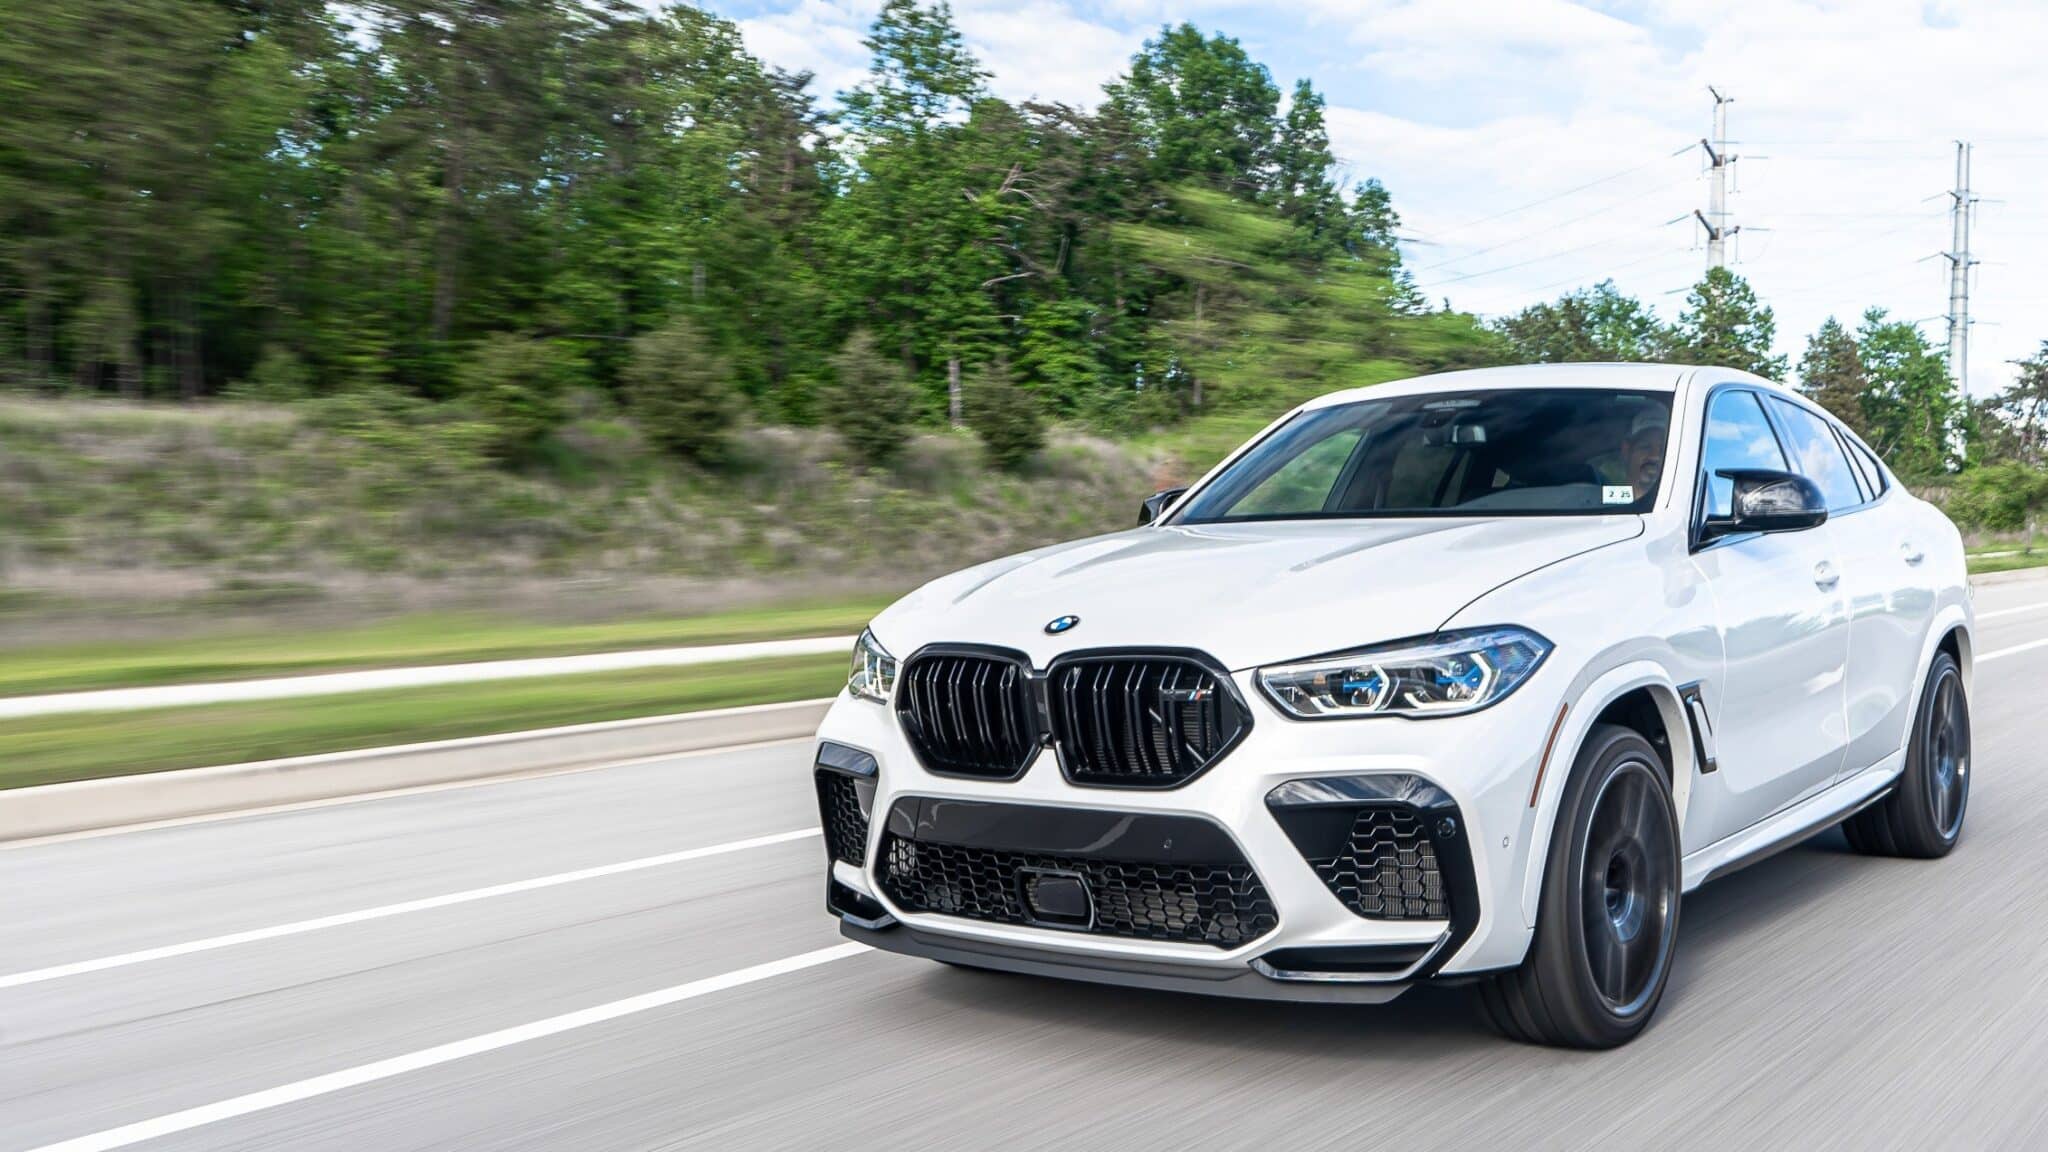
{"x": 1831, "y": 375}
{"x": 870, "y": 401}
{"x": 1723, "y": 324}
{"x": 1004, "y": 417}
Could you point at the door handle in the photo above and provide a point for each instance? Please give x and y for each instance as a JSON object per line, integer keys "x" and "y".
{"x": 1825, "y": 577}
{"x": 1911, "y": 554}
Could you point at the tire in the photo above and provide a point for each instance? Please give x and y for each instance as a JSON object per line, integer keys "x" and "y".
{"x": 1923, "y": 816}
{"x": 1607, "y": 923}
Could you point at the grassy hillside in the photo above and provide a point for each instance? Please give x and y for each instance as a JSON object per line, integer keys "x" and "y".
{"x": 260, "y": 505}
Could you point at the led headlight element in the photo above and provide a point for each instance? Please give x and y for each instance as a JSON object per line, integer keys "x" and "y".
{"x": 873, "y": 676}
{"x": 1441, "y": 675}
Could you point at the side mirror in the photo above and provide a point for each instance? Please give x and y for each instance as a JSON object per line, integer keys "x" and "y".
{"x": 1156, "y": 504}
{"x": 1766, "y": 500}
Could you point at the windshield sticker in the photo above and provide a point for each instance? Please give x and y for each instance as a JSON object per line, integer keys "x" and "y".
{"x": 1617, "y": 494}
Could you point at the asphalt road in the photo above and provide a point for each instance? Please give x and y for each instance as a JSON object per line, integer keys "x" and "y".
{"x": 637, "y": 957}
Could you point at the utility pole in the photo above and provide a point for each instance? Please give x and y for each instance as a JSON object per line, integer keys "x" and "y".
{"x": 1961, "y": 203}
{"x": 1715, "y": 218}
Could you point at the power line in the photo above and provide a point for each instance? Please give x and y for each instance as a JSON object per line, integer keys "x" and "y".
{"x": 1519, "y": 208}
{"x": 1532, "y": 260}
{"x": 1603, "y": 209}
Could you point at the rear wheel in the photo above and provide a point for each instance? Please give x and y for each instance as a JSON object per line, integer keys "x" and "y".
{"x": 1923, "y": 817}
{"x": 1608, "y": 922}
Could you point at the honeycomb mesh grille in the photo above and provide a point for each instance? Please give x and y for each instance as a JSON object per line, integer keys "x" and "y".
{"x": 1222, "y": 905}
{"x": 1140, "y": 721}
{"x": 969, "y": 715}
{"x": 1388, "y": 870}
{"x": 846, "y": 830}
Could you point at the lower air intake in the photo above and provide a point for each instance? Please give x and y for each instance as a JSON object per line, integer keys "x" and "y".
{"x": 846, "y": 830}
{"x": 1387, "y": 868}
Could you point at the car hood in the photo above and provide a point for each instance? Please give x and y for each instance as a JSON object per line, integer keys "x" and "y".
{"x": 1247, "y": 594}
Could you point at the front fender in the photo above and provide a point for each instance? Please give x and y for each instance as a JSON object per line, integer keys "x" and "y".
{"x": 1587, "y": 702}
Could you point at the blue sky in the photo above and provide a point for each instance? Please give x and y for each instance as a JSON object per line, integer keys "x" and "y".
{"x": 1533, "y": 146}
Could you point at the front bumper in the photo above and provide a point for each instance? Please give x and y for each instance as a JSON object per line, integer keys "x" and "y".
{"x": 1278, "y": 803}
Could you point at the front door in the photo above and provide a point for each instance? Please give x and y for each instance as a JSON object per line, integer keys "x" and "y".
{"x": 1778, "y": 708}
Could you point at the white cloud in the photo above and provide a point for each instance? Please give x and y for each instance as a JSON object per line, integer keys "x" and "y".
{"x": 1844, "y": 113}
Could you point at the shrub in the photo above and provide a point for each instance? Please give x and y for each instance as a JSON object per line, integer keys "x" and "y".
{"x": 278, "y": 376}
{"x": 515, "y": 385}
{"x": 680, "y": 393}
{"x": 870, "y": 401}
{"x": 1004, "y": 416}
{"x": 1998, "y": 497}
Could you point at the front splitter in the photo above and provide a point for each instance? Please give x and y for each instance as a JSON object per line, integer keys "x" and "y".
{"x": 1238, "y": 983}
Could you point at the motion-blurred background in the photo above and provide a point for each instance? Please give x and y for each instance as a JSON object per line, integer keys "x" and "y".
{"x": 350, "y": 336}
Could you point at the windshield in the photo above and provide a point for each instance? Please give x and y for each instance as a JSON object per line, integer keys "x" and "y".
{"x": 1505, "y": 452}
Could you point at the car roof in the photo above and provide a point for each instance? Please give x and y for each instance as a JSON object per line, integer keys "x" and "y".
{"x": 1643, "y": 377}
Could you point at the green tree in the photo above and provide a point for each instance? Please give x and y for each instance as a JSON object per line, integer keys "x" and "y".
{"x": 1911, "y": 410}
{"x": 1005, "y": 417}
{"x": 1302, "y": 190}
{"x": 1831, "y": 375}
{"x": 870, "y": 401}
{"x": 2020, "y": 412}
{"x": 680, "y": 392}
{"x": 1203, "y": 109}
{"x": 1590, "y": 325}
{"x": 1723, "y": 324}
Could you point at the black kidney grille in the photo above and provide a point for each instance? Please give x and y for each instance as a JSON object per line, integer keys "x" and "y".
{"x": 1222, "y": 905}
{"x": 968, "y": 715}
{"x": 1141, "y": 721}
{"x": 846, "y": 830}
{"x": 1388, "y": 868}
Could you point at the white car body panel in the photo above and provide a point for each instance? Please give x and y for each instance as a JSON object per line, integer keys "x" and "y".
{"x": 1809, "y": 683}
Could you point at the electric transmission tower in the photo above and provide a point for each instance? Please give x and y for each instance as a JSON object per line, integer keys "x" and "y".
{"x": 1715, "y": 218}
{"x": 1961, "y": 204}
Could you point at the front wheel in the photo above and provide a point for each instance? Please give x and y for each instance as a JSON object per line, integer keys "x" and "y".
{"x": 1923, "y": 817}
{"x": 1607, "y": 924}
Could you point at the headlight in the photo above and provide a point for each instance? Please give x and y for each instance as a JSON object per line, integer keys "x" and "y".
{"x": 1441, "y": 675}
{"x": 873, "y": 675}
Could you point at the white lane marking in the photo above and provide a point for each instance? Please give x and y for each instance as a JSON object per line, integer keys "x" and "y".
{"x": 297, "y": 927}
{"x": 2012, "y": 651}
{"x": 291, "y": 1093}
{"x": 2012, "y": 611}
{"x": 332, "y": 683}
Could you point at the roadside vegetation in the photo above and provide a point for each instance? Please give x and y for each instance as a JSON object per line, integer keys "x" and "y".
{"x": 50, "y": 749}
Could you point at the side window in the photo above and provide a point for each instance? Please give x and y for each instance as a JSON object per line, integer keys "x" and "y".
{"x": 1817, "y": 454}
{"x": 1866, "y": 467}
{"x": 1738, "y": 436}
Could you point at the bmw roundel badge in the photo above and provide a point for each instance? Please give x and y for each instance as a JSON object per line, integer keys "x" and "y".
{"x": 1061, "y": 625}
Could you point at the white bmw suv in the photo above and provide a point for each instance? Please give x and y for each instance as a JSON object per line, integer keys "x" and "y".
{"x": 1465, "y": 678}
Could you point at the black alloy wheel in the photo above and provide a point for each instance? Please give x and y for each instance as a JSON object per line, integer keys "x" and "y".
{"x": 1607, "y": 923}
{"x": 1923, "y": 816}
{"x": 1629, "y": 885}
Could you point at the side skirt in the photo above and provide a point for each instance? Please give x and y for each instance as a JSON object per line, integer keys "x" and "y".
{"x": 1789, "y": 827}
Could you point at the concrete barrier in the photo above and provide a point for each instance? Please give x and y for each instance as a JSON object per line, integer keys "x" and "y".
{"x": 52, "y": 809}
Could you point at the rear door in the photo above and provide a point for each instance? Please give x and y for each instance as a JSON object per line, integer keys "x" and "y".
{"x": 1889, "y": 602}
{"x": 1777, "y": 711}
